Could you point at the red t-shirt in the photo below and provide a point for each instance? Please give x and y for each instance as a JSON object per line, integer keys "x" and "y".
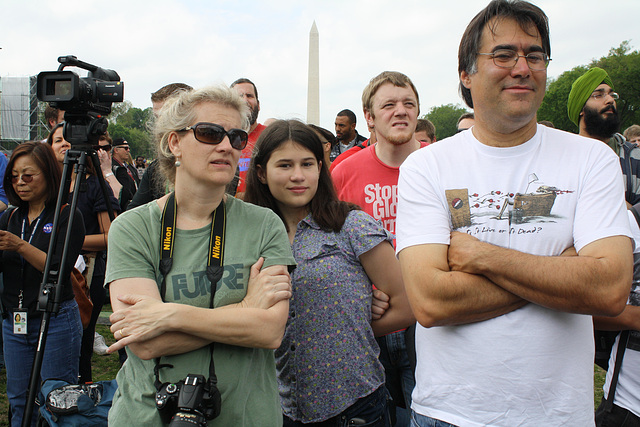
{"x": 350, "y": 152}
{"x": 364, "y": 180}
{"x": 245, "y": 157}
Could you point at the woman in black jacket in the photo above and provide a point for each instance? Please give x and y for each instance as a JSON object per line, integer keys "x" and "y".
{"x": 32, "y": 180}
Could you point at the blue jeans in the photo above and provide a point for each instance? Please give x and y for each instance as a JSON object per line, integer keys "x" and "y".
{"x": 371, "y": 410}
{"x": 400, "y": 380}
{"x": 61, "y": 355}
{"x": 418, "y": 420}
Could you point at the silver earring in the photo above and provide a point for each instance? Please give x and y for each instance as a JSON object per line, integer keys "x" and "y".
{"x": 178, "y": 163}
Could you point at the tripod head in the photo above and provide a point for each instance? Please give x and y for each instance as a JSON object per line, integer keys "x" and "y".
{"x": 86, "y": 101}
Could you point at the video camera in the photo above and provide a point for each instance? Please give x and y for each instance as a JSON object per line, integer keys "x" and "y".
{"x": 85, "y": 100}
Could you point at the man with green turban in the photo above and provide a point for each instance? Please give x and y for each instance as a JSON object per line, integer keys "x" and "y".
{"x": 592, "y": 107}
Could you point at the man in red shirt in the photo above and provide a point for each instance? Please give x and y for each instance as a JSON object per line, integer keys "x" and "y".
{"x": 369, "y": 178}
{"x": 247, "y": 90}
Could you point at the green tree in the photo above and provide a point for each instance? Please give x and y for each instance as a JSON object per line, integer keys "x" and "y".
{"x": 118, "y": 109}
{"x": 132, "y": 124}
{"x": 445, "y": 119}
{"x": 623, "y": 66}
{"x": 554, "y": 105}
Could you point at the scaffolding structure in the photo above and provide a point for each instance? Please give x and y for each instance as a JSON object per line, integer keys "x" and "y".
{"x": 21, "y": 115}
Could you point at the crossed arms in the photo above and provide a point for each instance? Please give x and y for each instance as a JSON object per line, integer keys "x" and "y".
{"x": 153, "y": 328}
{"x": 471, "y": 281}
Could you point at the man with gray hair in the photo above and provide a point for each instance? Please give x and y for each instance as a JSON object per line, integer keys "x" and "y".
{"x": 510, "y": 236}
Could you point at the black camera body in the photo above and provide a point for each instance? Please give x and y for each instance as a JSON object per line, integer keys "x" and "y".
{"x": 192, "y": 401}
{"x": 85, "y": 100}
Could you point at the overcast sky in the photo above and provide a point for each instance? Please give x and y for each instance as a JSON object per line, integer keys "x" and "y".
{"x": 152, "y": 43}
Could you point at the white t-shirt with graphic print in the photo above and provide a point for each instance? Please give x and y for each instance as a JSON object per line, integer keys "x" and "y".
{"x": 533, "y": 366}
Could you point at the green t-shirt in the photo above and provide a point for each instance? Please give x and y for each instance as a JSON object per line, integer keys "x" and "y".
{"x": 246, "y": 376}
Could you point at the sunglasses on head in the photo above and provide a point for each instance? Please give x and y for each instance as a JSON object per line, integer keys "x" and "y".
{"x": 26, "y": 177}
{"x": 211, "y": 133}
{"x": 106, "y": 147}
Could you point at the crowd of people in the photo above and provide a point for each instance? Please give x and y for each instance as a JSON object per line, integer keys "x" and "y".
{"x": 289, "y": 276}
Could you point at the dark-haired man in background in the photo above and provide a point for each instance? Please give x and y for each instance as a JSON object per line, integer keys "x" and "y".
{"x": 125, "y": 173}
{"x": 346, "y": 133}
{"x": 465, "y": 121}
{"x": 53, "y": 116}
{"x": 425, "y": 131}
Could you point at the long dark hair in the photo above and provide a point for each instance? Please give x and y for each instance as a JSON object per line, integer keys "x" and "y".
{"x": 45, "y": 159}
{"x": 89, "y": 169}
{"x": 325, "y": 208}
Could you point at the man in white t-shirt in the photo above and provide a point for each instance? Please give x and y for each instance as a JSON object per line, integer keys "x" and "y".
{"x": 486, "y": 226}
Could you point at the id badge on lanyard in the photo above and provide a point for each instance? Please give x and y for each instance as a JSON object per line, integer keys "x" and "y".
{"x": 20, "y": 315}
{"x": 20, "y": 322}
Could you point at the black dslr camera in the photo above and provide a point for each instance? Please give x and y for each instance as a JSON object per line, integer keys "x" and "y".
{"x": 192, "y": 401}
{"x": 86, "y": 100}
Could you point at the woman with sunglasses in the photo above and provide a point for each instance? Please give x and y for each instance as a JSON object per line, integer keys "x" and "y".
{"x": 175, "y": 317}
{"x": 32, "y": 180}
{"x": 328, "y": 368}
{"x": 96, "y": 218}
{"x": 103, "y": 149}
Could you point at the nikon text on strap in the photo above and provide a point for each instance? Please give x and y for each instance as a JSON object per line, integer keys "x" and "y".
{"x": 215, "y": 261}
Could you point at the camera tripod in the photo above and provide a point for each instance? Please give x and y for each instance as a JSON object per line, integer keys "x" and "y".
{"x": 50, "y": 288}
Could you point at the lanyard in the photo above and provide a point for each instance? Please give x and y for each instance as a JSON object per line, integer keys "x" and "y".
{"x": 215, "y": 254}
{"x": 34, "y": 229}
{"x": 22, "y": 233}
{"x": 215, "y": 264}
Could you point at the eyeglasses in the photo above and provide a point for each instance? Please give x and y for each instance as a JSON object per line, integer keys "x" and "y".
{"x": 26, "y": 177}
{"x": 102, "y": 147}
{"x": 126, "y": 147}
{"x": 211, "y": 133}
{"x": 507, "y": 58}
{"x": 601, "y": 93}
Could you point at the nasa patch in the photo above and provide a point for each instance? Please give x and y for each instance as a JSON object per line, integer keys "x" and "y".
{"x": 47, "y": 228}
{"x": 456, "y": 203}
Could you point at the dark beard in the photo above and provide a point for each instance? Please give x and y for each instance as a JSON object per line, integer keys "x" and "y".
{"x": 600, "y": 126}
{"x": 254, "y": 115}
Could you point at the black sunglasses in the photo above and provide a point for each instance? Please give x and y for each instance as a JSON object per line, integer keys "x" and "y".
{"x": 211, "y": 133}
{"x": 102, "y": 147}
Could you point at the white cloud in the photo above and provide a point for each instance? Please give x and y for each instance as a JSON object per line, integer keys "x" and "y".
{"x": 152, "y": 43}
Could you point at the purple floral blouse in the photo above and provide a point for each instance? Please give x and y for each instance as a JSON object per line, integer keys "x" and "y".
{"x": 329, "y": 357}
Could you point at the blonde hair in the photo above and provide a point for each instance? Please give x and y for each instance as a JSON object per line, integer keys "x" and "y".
{"x": 393, "y": 77}
{"x": 180, "y": 111}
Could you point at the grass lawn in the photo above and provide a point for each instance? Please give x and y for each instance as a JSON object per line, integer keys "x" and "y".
{"x": 106, "y": 368}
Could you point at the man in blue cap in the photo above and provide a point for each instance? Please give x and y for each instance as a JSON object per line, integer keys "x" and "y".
{"x": 592, "y": 107}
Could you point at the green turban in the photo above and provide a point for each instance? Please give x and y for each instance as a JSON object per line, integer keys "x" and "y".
{"x": 582, "y": 89}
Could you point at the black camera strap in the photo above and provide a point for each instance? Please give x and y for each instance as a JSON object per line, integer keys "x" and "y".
{"x": 215, "y": 262}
